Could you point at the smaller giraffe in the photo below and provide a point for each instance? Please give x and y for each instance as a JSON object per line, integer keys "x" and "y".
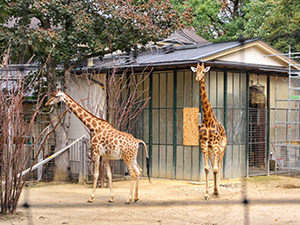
{"x": 109, "y": 143}
{"x": 212, "y": 134}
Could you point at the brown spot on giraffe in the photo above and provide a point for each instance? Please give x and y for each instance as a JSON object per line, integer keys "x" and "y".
{"x": 102, "y": 144}
{"x": 212, "y": 134}
{"x": 94, "y": 123}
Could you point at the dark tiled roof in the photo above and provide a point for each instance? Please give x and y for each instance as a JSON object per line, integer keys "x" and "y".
{"x": 171, "y": 55}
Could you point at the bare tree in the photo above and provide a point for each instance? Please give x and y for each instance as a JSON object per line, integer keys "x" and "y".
{"x": 126, "y": 98}
{"x": 15, "y": 130}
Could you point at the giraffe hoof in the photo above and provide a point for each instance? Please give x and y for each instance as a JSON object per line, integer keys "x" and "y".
{"x": 90, "y": 201}
{"x": 136, "y": 199}
{"x": 206, "y": 197}
{"x": 111, "y": 200}
{"x": 216, "y": 194}
{"x": 128, "y": 201}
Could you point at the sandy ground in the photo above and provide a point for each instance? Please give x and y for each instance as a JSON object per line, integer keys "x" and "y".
{"x": 272, "y": 200}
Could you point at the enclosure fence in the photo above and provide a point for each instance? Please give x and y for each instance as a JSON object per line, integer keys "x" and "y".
{"x": 287, "y": 123}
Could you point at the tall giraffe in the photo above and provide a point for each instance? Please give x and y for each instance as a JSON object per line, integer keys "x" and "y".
{"x": 212, "y": 134}
{"x": 109, "y": 143}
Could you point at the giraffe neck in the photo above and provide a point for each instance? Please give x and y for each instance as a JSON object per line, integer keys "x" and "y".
{"x": 89, "y": 120}
{"x": 207, "y": 109}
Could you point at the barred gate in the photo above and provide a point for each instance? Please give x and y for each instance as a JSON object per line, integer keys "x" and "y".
{"x": 44, "y": 168}
{"x": 79, "y": 160}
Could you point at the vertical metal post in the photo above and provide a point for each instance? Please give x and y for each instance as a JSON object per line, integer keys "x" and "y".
{"x": 150, "y": 119}
{"x": 82, "y": 152}
{"x": 268, "y": 125}
{"x": 290, "y": 93}
{"x": 192, "y": 105}
{"x": 200, "y": 150}
{"x": 107, "y": 97}
{"x": 159, "y": 143}
{"x": 276, "y": 144}
{"x": 174, "y": 122}
{"x": 289, "y": 112}
{"x": 225, "y": 116}
{"x": 247, "y": 125}
{"x": 166, "y": 153}
{"x": 143, "y": 120}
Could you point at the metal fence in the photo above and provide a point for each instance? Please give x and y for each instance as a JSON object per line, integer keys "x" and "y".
{"x": 44, "y": 168}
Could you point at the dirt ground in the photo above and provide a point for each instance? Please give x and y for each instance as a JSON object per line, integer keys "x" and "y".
{"x": 272, "y": 200}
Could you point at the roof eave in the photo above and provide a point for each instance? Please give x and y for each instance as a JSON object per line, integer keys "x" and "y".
{"x": 184, "y": 64}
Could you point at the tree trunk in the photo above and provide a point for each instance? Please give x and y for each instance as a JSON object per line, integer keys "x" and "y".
{"x": 61, "y": 132}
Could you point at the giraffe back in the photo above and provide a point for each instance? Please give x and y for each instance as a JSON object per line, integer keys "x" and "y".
{"x": 114, "y": 144}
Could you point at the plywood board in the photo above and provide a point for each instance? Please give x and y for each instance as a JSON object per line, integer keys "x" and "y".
{"x": 190, "y": 126}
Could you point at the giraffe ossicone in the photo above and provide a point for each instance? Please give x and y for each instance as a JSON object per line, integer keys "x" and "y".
{"x": 213, "y": 138}
{"x": 108, "y": 142}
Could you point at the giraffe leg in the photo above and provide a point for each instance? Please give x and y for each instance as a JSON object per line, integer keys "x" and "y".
{"x": 138, "y": 174}
{"x": 132, "y": 175}
{"x": 109, "y": 175}
{"x": 216, "y": 171}
{"x": 96, "y": 174}
{"x": 206, "y": 167}
{"x": 222, "y": 153}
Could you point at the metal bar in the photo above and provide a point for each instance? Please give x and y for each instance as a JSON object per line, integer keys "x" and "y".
{"x": 217, "y": 93}
{"x": 166, "y": 151}
{"x": 192, "y": 105}
{"x": 240, "y": 106}
{"x": 268, "y": 125}
{"x": 183, "y": 104}
{"x": 50, "y": 157}
{"x": 225, "y": 116}
{"x": 288, "y": 145}
{"x": 284, "y": 122}
{"x": 247, "y": 124}
{"x": 275, "y": 124}
{"x": 199, "y": 148}
{"x": 143, "y": 119}
{"x": 290, "y": 93}
{"x": 285, "y": 100}
{"x": 232, "y": 116}
{"x": 158, "y": 147}
{"x": 150, "y": 120}
{"x": 174, "y": 122}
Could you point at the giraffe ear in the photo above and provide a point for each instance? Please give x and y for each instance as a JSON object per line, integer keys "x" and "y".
{"x": 193, "y": 69}
{"x": 207, "y": 69}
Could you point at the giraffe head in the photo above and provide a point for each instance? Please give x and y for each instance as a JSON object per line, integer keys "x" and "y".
{"x": 200, "y": 70}
{"x": 56, "y": 97}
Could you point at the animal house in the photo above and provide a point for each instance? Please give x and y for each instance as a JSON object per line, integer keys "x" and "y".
{"x": 124, "y": 100}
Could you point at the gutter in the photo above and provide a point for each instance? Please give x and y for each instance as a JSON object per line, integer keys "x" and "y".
{"x": 187, "y": 63}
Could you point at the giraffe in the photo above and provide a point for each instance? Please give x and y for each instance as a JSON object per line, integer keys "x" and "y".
{"x": 212, "y": 134}
{"x": 109, "y": 143}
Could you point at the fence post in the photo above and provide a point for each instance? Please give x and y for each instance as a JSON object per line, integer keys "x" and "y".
{"x": 82, "y": 172}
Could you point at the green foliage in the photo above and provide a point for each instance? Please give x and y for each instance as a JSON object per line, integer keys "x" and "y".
{"x": 214, "y": 19}
{"x": 281, "y": 27}
{"x": 73, "y": 30}
{"x": 274, "y": 21}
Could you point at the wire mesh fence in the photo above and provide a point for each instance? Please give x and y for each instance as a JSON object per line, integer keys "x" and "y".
{"x": 287, "y": 127}
{"x": 78, "y": 152}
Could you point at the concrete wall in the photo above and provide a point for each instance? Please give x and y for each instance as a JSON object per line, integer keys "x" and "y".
{"x": 92, "y": 96}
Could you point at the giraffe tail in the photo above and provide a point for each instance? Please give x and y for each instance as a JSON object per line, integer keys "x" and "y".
{"x": 147, "y": 159}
